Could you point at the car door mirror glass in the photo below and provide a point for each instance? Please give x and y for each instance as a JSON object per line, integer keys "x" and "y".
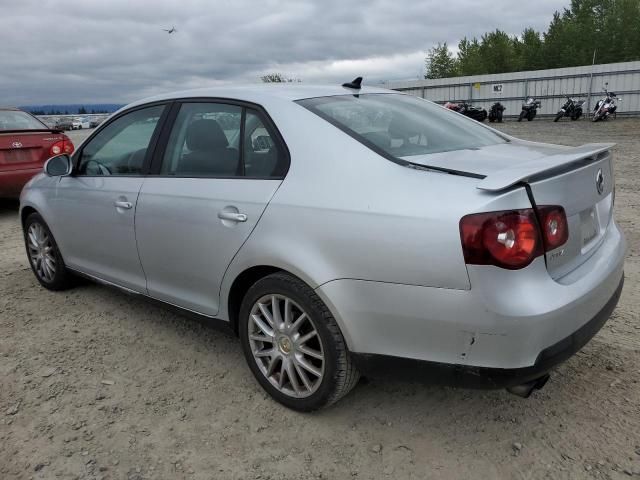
{"x": 58, "y": 166}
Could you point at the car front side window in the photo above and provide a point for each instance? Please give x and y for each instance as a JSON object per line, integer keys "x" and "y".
{"x": 121, "y": 147}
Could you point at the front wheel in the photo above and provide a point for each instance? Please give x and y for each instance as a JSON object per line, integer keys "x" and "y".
{"x": 44, "y": 256}
{"x": 558, "y": 116}
{"x": 522, "y": 115}
{"x": 293, "y": 344}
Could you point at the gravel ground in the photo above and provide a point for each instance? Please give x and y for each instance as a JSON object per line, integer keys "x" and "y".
{"x": 97, "y": 384}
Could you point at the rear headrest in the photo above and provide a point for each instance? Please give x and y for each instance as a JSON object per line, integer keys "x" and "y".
{"x": 205, "y": 134}
{"x": 402, "y": 127}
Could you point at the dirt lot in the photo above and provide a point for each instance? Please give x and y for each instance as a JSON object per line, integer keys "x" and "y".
{"x": 96, "y": 384}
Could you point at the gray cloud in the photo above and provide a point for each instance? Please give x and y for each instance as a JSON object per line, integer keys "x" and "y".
{"x": 103, "y": 51}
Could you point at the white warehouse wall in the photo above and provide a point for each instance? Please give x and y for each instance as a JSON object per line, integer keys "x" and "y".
{"x": 549, "y": 86}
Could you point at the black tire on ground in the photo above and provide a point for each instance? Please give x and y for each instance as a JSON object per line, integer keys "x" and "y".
{"x": 340, "y": 374}
{"x": 63, "y": 278}
{"x": 558, "y": 116}
{"x": 530, "y": 117}
{"x": 500, "y": 118}
{"x": 522, "y": 115}
{"x": 491, "y": 119}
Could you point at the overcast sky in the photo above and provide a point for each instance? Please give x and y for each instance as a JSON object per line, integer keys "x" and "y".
{"x": 92, "y": 51}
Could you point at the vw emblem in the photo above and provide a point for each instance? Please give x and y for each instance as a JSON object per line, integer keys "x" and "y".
{"x": 600, "y": 181}
{"x": 16, "y": 145}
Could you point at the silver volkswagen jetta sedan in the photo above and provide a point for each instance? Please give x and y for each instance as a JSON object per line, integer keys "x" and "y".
{"x": 340, "y": 230}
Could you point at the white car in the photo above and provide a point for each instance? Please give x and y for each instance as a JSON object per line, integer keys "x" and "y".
{"x": 80, "y": 123}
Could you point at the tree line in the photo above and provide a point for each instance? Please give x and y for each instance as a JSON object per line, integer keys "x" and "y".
{"x": 80, "y": 111}
{"x": 610, "y": 27}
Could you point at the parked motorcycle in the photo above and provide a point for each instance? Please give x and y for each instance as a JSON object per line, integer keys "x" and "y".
{"x": 477, "y": 113}
{"x": 606, "y": 106}
{"x": 529, "y": 109}
{"x": 572, "y": 108}
{"x": 495, "y": 112}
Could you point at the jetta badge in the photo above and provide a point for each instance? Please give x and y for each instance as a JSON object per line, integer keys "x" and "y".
{"x": 600, "y": 181}
{"x": 16, "y": 145}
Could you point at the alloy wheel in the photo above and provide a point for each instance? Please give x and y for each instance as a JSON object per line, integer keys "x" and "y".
{"x": 41, "y": 252}
{"x": 286, "y": 346}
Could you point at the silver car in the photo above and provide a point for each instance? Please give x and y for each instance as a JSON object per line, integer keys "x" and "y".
{"x": 340, "y": 230}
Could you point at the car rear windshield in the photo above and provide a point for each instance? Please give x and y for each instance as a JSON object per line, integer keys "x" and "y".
{"x": 399, "y": 126}
{"x": 17, "y": 120}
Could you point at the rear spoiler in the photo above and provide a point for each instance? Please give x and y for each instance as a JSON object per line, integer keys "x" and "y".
{"x": 569, "y": 159}
{"x": 33, "y": 130}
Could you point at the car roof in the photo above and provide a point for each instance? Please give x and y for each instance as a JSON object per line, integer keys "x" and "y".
{"x": 262, "y": 92}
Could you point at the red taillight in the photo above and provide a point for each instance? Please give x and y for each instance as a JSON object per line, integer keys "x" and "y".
{"x": 555, "y": 230}
{"x": 508, "y": 239}
{"x": 61, "y": 146}
{"x": 512, "y": 239}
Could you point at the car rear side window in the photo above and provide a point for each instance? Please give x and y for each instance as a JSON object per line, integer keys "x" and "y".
{"x": 399, "y": 126}
{"x": 263, "y": 155}
{"x": 204, "y": 141}
{"x": 120, "y": 147}
{"x": 221, "y": 140}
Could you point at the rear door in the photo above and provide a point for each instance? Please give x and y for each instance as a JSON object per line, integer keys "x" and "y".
{"x": 222, "y": 164}
{"x": 95, "y": 208}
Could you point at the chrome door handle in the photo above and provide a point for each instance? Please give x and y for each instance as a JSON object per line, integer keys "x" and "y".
{"x": 125, "y": 205}
{"x": 234, "y": 217}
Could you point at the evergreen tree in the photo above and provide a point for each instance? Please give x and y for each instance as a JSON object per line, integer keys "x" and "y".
{"x": 470, "y": 61}
{"x": 611, "y": 28}
{"x": 440, "y": 62}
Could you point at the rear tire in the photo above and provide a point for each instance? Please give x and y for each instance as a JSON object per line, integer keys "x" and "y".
{"x": 44, "y": 255}
{"x": 302, "y": 376}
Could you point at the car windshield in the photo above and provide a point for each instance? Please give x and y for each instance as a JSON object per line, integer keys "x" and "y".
{"x": 399, "y": 125}
{"x": 17, "y": 120}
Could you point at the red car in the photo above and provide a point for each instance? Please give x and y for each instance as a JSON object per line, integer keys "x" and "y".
{"x": 25, "y": 144}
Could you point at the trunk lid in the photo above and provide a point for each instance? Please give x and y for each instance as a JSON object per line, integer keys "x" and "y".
{"x": 21, "y": 150}
{"x": 579, "y": 179}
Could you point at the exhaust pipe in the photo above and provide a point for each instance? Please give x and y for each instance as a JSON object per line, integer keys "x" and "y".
{"x": 525, "y": 389}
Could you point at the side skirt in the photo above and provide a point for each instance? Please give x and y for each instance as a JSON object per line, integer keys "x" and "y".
{"x": 206, "y": 320}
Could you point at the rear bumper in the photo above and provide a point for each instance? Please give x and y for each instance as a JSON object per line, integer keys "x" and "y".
{"x": 479, "y": 377}
{"x": 12, "y": 181}
{"x": 505, "y": 321}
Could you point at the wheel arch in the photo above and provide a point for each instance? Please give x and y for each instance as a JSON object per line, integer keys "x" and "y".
{"x": 25, "y": 212}
{"x": 241, "y": 285}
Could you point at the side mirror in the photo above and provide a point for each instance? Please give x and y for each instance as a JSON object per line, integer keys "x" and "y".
{"x": 59, "y": 166}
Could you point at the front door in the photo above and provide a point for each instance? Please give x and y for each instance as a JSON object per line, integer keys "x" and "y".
{"x": 95, "y": 208}
{"x": 221, "y": 166}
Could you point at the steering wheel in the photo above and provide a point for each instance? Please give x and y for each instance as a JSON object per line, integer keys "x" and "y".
{"x": 100, "y": 167}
